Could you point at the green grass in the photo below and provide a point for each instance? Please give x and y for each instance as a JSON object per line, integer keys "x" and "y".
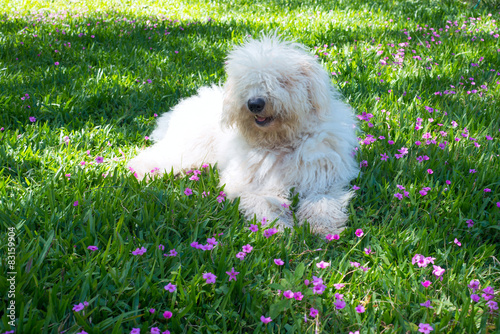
{"x": 100, "y": 98}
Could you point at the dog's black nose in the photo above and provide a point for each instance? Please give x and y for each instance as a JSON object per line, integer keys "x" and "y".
{"x": 256, "y": 105}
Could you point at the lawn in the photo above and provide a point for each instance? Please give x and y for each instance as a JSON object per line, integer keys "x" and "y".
{"x": 89, "y": 249}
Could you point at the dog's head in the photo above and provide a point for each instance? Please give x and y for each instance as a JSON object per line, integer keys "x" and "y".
{"x": 274, "y": 91}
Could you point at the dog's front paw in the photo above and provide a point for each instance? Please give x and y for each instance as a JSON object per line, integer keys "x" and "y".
{"x": 139, "y": 168}
{"x": 325, "y": 215}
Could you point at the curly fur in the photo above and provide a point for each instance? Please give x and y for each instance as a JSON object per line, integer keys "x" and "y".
{"x": 307, "y": 145}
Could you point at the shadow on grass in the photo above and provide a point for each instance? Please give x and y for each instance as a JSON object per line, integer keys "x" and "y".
{"x": 122, "y": 72}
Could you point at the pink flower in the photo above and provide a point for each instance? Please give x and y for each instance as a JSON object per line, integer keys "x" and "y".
{"x": 78, "y": 307}
{"x": 359, "y": 233}
{"x": 170, "y": 287}
{"x": 232, "y": 274}
{"x": 288, "y": 294}
{"x": 474, "y": 285}
{"x": 93, "y": 248}
{"x": 323, "y": 264}
{"x": 279, "y": 262}
{"x": 330, "y": 237}
{"x": 253, "y": 228}
{"x": 426, "y": 284}
{"x": 339, "y": 304}
{"x": 269, "y": 232}
{"x": 167, "y": 314}
{"x": 475, "y": 298}
{"x": 438, "y": 271}
{"x": 99, "y": 160}
{"x": 313, "y": 312}
{"x": 135, "y": 331}
{"x": 355, "y": 187}
{"x": 241, "y": 255}
{"x": 298, "y": 296}
{"x": 426, "y": 304}
{"x": 368, "y": 251}
{"x": 210, "y": 278}
{"x": 493, "y": 305}
{"x": 355, "y": 264}
{"x": 360, "y": 308}
{"x": 265, "y": 320}
{"x": 470, "y": 223}
{"x": 188, "y": 192}
{"x": 457, "y": 242}
{"x": 339, "y": 286}
{"x": 425, "y": 328}
{"x": 247, "y": 248}
{"x": 139, "y": 251}
{"x": 75, "y": 203}
{"x": 430, "y": 171}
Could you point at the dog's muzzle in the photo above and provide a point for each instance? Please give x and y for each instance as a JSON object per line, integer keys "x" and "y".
{"x": 256, "y": 105}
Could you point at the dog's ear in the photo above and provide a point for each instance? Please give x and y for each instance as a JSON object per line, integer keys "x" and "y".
{"x": 229, "y": 106}
{"x": 319, "y": 87}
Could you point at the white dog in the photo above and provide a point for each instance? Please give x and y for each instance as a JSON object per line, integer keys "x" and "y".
{"x": 277, "y": 124}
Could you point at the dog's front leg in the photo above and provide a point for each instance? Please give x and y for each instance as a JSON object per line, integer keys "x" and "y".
{"x": 324, "y": 212}
{"x": 266, "y": 206}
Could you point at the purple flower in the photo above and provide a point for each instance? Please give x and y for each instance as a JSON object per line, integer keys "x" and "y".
{"x": 93, "y": 248}
{"x": 330, "y": 237}
{"x": 170, "y": 287}
{"x": 279, "y": 262}
{"x": 323, "y": 264}
{"x": 426, "y": 304}
{"x": 139, "y": 251}
{"x": 265, "y": 320}
{"x": 359, "y": 233}
{"x": 298, "y": 295}
{"x": 167, "y": 314}
{"x": 210, "y": 278}
{"x": 360, "y": 308}
{"x": 269, "y": 232}
{"x": 247, "y": 248}
{"x": 474, "y": 285}
{"x": 253, "y": 228}
{"x": 475, "y": 298}
{"x": 188, "y": 192}
{"x": 78, "y": 307}
{"x": 288, "y": 294}
{"x": 313, "y": 312}
{"x": 99, "y": 160}
{"x": 232, "y": 274}
{"x": 339, "y": 304}
{"x": 438, "y": 271}
{"x": 32, "y": 119}
{"x": 425, "y": 328}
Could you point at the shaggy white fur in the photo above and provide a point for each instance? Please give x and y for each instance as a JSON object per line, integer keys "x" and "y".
{"x": 276, "y": 124}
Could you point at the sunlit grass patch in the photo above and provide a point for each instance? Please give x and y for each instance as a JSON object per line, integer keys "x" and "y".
{"x": 81, "y": 85}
